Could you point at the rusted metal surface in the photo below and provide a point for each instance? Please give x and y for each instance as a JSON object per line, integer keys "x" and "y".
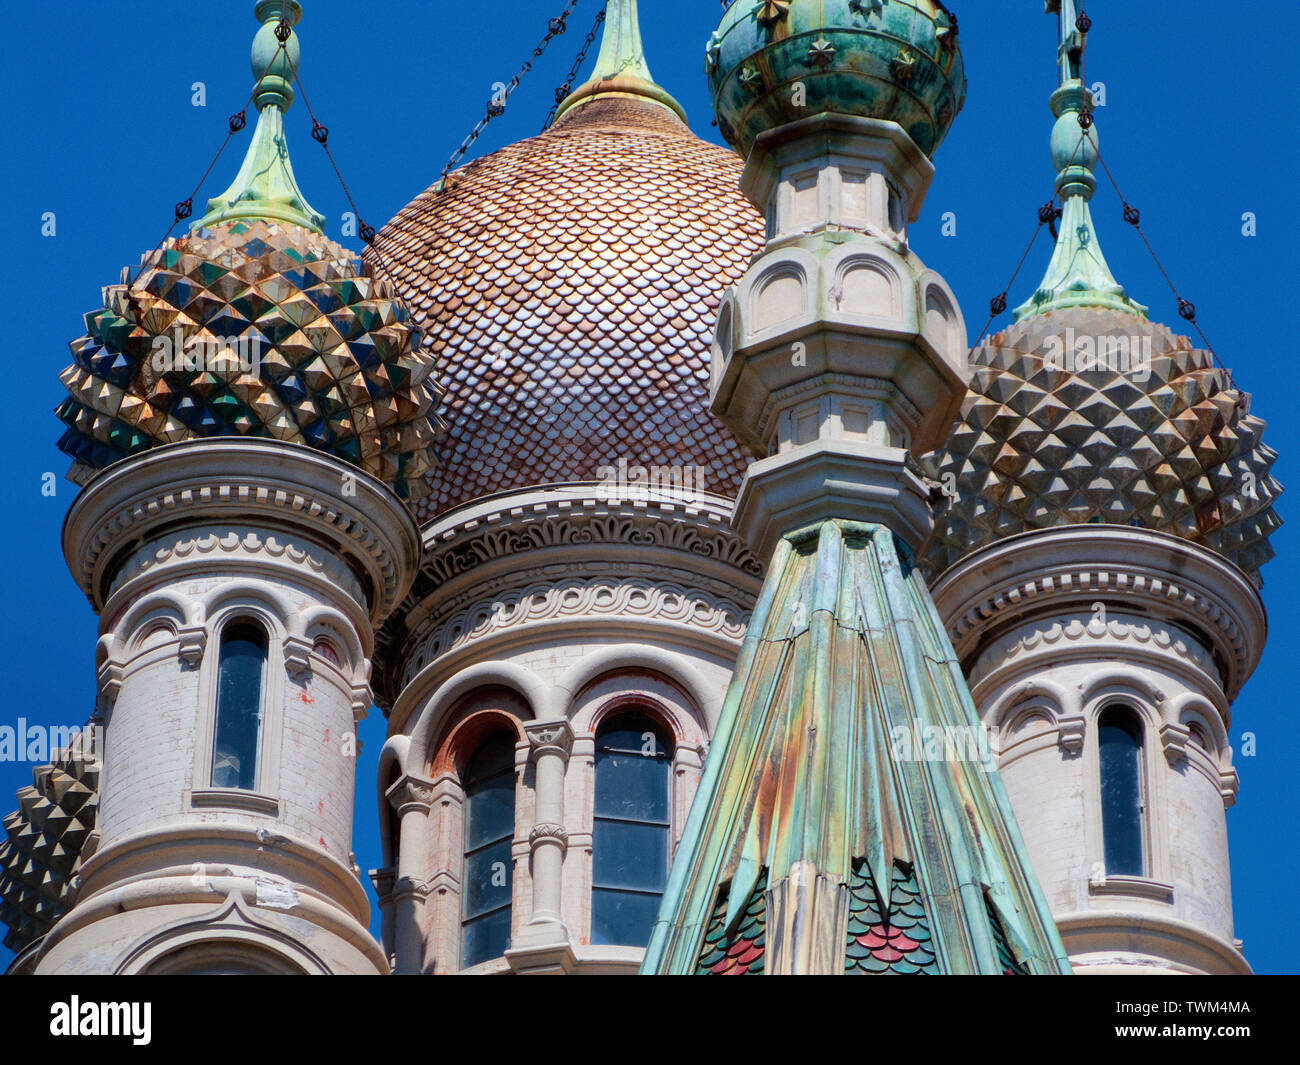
{"x": 847, "y": 771}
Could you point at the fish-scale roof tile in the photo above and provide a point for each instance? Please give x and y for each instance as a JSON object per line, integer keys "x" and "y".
{"x": 596, "y": 253}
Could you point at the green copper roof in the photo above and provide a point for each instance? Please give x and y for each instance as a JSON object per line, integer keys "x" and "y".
{"x": 265, "y": 187}
{"x": 771, "y": 62}
{"x": 621, "y": 67}
{"x": 1078, "y": 275}
{"x": 849, "y": 819}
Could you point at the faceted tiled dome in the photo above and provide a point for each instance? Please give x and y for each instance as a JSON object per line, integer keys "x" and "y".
{"x": 568, "y": 286}
{"x": 252, "y": 328}
{"x": 1155, "y": 437}
{"x": 44, "y": 841}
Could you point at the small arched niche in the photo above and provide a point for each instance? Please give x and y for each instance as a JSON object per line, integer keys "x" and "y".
{"x": 779, "y": 297}
{"x": 868, "y": 287}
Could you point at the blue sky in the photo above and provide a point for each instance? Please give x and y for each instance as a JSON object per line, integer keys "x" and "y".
{"x": 101, "y": 131}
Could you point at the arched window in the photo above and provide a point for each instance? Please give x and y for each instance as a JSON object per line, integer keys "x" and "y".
{"x": 1119, "y": 741}
{"x": 241, "y": 681}
{"x": 630, "y": 845}
{"x": 489, "y": 782}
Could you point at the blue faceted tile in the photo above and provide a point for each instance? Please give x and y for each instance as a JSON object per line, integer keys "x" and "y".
{"x": 187, "y": 411}
{"x": 291, "y": 390}
{"x": 316, "y": 433}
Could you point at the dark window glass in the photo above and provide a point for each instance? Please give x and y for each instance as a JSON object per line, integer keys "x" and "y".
{"x": 630, "y": 841}
{"x": 1119, "y": 740}
{"x": 489, "y": 829}
{"x": 241, "y": 669}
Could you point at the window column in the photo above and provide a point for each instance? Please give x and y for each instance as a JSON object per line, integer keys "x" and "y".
{"x": 411, "y": 799}
{"x": 550, "y": 743}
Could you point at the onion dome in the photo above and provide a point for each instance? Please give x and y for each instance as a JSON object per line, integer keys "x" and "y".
{"x": 1171, "y": 446}
{"x": 1083, "y": 411}
{"x": 568, "y": 285}
{"x": 254, "y": 324}
{"x": 775, "y": 61}
{"x": 45, "y": 840}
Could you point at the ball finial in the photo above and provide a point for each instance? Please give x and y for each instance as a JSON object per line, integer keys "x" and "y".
{"x": 777, "y": 61}
{"x": 273, "y": 68}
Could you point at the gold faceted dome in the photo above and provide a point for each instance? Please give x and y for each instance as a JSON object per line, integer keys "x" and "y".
{"x": 567, "y": 286}
{"x": 252, "y": 328}
{"x": 1134, "y": 427}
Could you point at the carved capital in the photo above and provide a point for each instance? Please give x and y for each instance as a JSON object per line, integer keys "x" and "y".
{"x": 410, "y": 793}
{"x": 110, "y": 683}
{"x": 362, "y": 697}
{"x": 1229, "y": 783}
{"x": 545, "y": 832}
{"x": 192, "y": 641}
{"x": 1173, "y": 738}
{"x": 297, "y": 656}
{"x": 549, "y": 737}
{"x": 1070, "y": 731}
{"x": 406, "y": 889}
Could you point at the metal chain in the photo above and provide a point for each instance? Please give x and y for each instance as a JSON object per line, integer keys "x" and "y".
{"x": 562, "y": 91}
{"x": 554, "y": 28}
{"x": 185, "y": 208}
{"x": 1048, "y": 215}
{"x": 1186, "y": 309}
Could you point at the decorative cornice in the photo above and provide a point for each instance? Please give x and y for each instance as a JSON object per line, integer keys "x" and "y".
{"x": 575, "y": 598}
{"x": 196, "y": 548}
{"x": 244, "y": 480}
{"x": 584, "y": 516}
{"x": 1067, "y": 569}
{"x": 494, "y": 551}
{"x": 1076, "y": 637}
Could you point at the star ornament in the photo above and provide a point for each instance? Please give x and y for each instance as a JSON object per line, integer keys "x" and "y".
{"x": 867, "y": 7}
{"x": 903, "y": 67}
{"x": 713, "y": 51}
{"x": 773, "y": 11}
{"x": 822, "y": 53}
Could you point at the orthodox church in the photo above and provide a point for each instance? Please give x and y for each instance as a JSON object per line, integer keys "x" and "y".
{"x": 729, "y": 613}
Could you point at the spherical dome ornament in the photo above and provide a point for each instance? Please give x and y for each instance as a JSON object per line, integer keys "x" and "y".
{"x": 776, "y": 61}
{"x": 255, "y": 329}
{"x": 1087, "y": 415}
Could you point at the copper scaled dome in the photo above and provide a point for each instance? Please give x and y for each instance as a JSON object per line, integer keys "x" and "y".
{"x": 567, "y": 286}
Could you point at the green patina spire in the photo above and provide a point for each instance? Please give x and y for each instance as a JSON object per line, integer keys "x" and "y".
{"x": 1078, "y": 275}
{"x": 621, "y": 68}
{"x": 265, "y": 187}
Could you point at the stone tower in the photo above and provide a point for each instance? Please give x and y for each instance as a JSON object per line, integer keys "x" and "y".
{"x": 582, "y": 596}
{"x": 837, "y": 827}
{"x": 244, "y": 411}
{"x": 1097, "y": 571}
